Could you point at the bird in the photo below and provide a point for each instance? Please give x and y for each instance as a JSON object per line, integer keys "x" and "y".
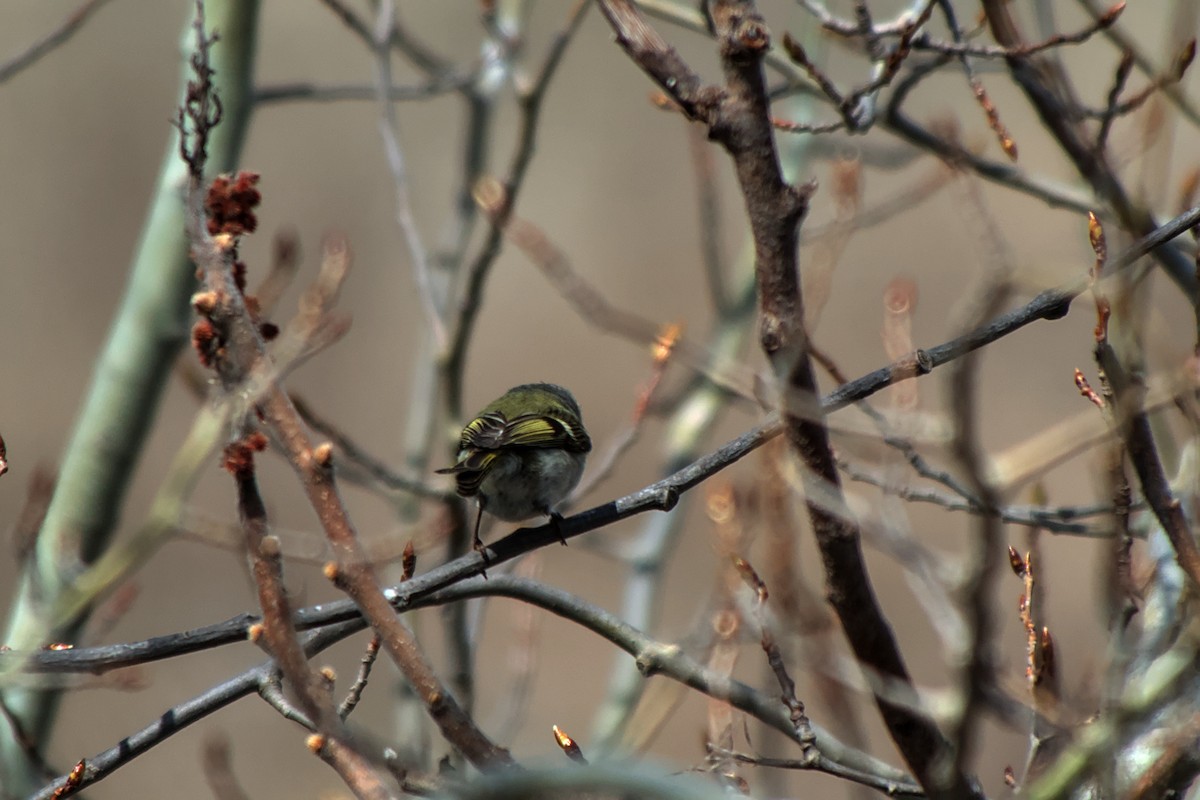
{"x": 522, "y": 455}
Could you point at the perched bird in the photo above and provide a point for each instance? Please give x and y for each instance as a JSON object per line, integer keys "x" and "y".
{"x": 522, "y": 454}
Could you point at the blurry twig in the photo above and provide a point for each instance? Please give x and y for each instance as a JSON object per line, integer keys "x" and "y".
{"x": 1130, "y": 393}
{"x": 285, "y": 264}
{"x": 309, "y": 92}
{"x": 589, "y": 302}
{"x": 1126, "y": 44}
{"x": 1120, "y": 76}
{"x": 360, "y": 466}
{"x": 958, "y": 47}
{"x": 826, "y": 250}
{"x": 66, "y": 29}
{"x": 32, "y": 513}
{"x": 23, "y": 741}
{"x": 803, "y": 727}
{"x": 983, "y": 560}
{"x": 530, "y": 100}
{"x": 218, "y": 769}
{"x": 1058, "y": 520}
{"x": 628, "y": 436}
{"x": 709, "y": 212}
{"x": 396, "y": 35}
{"x": 389, "y": 132}
{"x": 522, "y": 658}
{"x": 1045, "y": 90}
{"x": 724, "y": 620}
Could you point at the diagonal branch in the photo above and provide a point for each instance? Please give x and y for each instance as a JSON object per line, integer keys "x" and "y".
{"x": 658, "y": 496}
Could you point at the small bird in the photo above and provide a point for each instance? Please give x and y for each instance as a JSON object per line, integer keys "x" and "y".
{"x": 522, "y": 454}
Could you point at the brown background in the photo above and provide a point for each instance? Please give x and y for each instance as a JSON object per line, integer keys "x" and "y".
{"x": 82, "y": 134}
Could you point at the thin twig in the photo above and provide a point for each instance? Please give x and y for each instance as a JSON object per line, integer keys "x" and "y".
{"x": 799, "y": 764}
{"x": 1125, "y": 42}
{"x": 1143, "y": 454}
{"x": 1053, "y": 193}
{"x": 360, "y": 681}
{"x": 800, "y": 722}
{"x": 311, "y": 92}
{"x": 981, "y": 569}
{"x": 218, "y": 769}
{"x": 981, "y": 96}
{"x": 1124, "y": 67}
{"x": 66, "y": 29}
{"x": 389, "y": 132}
{"x": 360, "y": 465}
{"x": 708, "y": 209}
{"x": 1057, "y": 520}
{"x": 958, "y": 47}
{"x": 477, "y": 272}
{"x": 1044, "y": 89}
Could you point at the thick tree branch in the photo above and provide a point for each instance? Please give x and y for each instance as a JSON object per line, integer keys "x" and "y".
{"x": 738, "y": 117}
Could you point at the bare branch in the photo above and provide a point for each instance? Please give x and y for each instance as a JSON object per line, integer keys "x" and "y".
{"x": 59, "y": 36}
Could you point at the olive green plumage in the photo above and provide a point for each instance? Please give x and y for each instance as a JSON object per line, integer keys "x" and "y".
{"x": 522, "y": 454}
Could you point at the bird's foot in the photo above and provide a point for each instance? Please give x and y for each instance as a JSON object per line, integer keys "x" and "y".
{"x": 556, "y": 519}
{"x": 482, "y": 550}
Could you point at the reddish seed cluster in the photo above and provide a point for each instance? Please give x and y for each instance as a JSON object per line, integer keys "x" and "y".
{"x": 239, "y": 272}
{"x": 239, "y": 455}
{"x": 206, "y": 342}
{"x": 230, "y": 204}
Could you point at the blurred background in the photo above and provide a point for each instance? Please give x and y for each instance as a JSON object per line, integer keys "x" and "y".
{"x": 614, "y": 186}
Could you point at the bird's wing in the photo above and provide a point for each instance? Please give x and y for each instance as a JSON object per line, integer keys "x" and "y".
{"x": 470, "y": 470}
{"x": 538, "y": 430}
{"x": 487, "y": 431}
